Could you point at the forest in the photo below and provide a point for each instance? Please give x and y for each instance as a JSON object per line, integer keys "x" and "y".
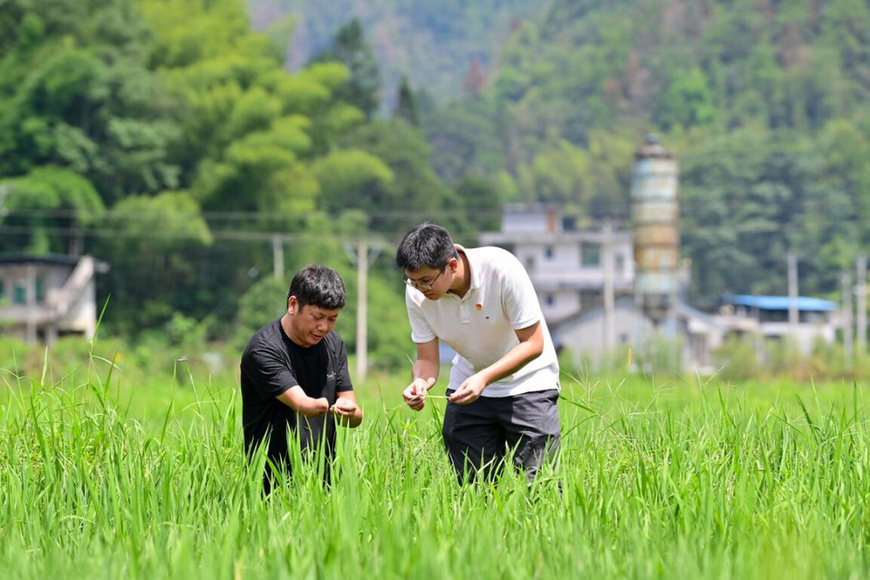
{"x": 182, "y": 141}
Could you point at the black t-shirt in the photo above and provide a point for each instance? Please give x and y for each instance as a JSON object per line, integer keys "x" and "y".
{"x": 271, "y": 364}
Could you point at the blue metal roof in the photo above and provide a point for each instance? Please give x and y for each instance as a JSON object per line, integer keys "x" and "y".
{"x": 804, "y": 303}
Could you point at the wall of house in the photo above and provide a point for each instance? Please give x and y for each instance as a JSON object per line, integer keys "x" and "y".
{"x": 580, "y": 261}
{"x": 28, "y": 285}
{"x": 804, "y": 336}
{"x": 531, "y": 221}
{"x": 566, "y": 264}
{"x": 559, "y": 304}
{"x": 33, "y": 306}
{"x": 82, "y": 314}
{"x": 565, "y": 268}
{"x": 584, "y": 338}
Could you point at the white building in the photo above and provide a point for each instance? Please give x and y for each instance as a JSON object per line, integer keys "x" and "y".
{"x": 566, "y": 264}
{"x": 42, "y": 298}
{"x": 570, "y": 269}
{"x": 768, "y": 318}
{"x": 698, "y": 335}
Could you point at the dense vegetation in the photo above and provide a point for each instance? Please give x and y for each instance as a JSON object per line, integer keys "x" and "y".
{"x": 765, "y": 104}
{"x": 441, "y": 46}
{"x": 168, "y": 139}
{"x": 108, "y": 475}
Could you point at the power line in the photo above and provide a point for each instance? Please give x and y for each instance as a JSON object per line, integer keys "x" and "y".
{"x": 155, "y": 235}
{"x": 235, "y": 215}
{"x": 691, "y": 204}
{"x": 291, "y": 237}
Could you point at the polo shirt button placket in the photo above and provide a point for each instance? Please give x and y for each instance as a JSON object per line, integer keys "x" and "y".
{"x": 464, "y": 314}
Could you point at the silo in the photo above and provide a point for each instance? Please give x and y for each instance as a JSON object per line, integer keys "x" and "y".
{"x": 654, "y": 216}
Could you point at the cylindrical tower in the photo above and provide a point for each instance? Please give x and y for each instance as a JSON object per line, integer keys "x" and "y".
{"x": 655, "y": 215}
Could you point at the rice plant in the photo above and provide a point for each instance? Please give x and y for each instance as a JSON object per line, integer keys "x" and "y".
{"x": 679, "y": 479}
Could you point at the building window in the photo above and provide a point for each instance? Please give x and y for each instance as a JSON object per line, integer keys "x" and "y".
{"x": 549, "y": 300}
{"x": 548, "y": 252}
{"x": 19, "y": 293}
{"x": 40, "y": 289}
{"x": 619, "y": 264}
{"x": 590, "y": 255}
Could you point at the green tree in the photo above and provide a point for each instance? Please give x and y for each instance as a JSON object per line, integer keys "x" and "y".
{"x": 406, "y": 104}
{"x": 351, "y": 48}
{"x": 48, "y": 210}
{"x": 75, "y": 92}
{"x": 417, "y": 193}
{"x": 482, "y": 202}
{"x": 687, "y": 102}
{"x": 149, "y": 252}
{"x": 465, "y": 138}
{"x": 351, "y": 178}
{"x": 749, "y": 199}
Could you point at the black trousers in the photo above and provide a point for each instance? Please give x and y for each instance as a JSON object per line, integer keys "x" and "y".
{"x": 481, "y": 435}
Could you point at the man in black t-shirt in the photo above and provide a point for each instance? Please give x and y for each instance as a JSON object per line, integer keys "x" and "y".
{"x": 294, "y": 375}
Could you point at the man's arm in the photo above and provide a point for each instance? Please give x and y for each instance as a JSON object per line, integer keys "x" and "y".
{"x": 346, "y": 410}
{"x": 424, "y": 373}
{"x": 530, "y": 347}
{"x": 296, "y": 399}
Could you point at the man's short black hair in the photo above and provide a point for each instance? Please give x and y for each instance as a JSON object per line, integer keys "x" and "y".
{"x": 425, "y": 246}
{"x": 318, "y": 286}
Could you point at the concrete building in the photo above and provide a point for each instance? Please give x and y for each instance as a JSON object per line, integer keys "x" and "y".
{"x": 569, "y": 269}
{"x": 696, "y": 334}
{"x": 604, "y": 290}
{"x": 767, "y": 317}
{"x": 567, "y": 265}
{"x": 42, "y": 298}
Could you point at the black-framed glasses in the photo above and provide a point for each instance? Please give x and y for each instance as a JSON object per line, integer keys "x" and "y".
{"x": 421, "y": 285}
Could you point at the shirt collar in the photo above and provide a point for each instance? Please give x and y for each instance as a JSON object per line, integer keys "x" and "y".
{"x": 472, "y": 266}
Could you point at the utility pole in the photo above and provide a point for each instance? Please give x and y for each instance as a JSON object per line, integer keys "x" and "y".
{"x": 4, "y": 191}
{"x": 792, "y": 296}
{"x": 609, "y": 331}
{"x": 362, "y": 280}
{"x": 861, "y": 304}
{"x": 846, "y": 287}
{"x": 361, "y": 259}
{"x": 278, "y": 256}
{"x": 30, "y": 302}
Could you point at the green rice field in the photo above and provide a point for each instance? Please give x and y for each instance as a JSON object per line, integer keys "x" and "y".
{"x": 111, "y": 474}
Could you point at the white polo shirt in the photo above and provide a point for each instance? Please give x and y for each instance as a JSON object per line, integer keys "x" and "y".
{"x": 480, "y": 326}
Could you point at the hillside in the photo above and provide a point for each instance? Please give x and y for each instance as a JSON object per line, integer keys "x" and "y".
{"x": 435, "y": 44}
{"x": 765, "y": 102}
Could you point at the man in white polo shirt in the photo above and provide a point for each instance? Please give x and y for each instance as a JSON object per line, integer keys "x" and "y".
{"x": 504, "y": 384}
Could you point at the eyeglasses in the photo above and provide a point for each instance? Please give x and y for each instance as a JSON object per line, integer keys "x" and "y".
{"x": 421, "y": 285}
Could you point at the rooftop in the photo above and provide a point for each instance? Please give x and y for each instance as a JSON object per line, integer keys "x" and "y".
{"x": 41, "y": 259}
{"x": 803, "y": 303}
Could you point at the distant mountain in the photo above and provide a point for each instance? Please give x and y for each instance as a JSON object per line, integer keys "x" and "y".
{"x": 766, "y": 104}
{"x": 438, "y": 44}
{"x": 587, "y": 71}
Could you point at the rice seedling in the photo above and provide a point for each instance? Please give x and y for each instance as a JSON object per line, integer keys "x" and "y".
{"x": 675, "y": 479}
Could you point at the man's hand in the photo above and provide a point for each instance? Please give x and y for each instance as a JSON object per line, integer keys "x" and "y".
{"x": 343, "y": 410}
{"x": 469, "y": 391}
{"x": 415, "y": 393}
